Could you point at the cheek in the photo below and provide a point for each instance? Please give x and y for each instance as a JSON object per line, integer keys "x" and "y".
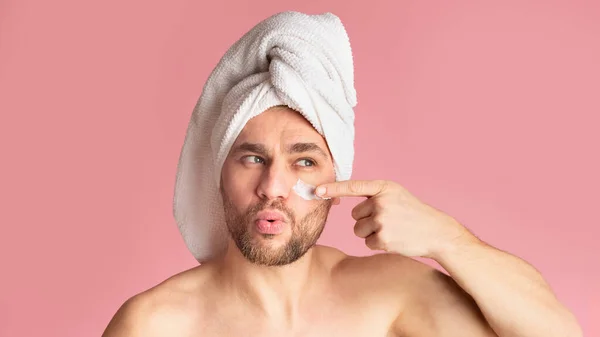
{"x": 301, "y": 207}
{"x": 234, "y": 178}
{"x": 327, "y": 175}
{"x": 237, "y": 189}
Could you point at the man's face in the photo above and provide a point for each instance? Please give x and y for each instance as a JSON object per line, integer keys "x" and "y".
{"x": 273, "y": 151}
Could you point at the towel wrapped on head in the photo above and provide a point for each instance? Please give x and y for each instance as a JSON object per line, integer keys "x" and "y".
{"x": 294, "y": 59}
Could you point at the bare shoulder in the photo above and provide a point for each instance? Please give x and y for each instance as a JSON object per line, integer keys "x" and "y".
{"x": 162, "y": 309}
{"x": 401, "y": 276}
{"x": 376, "y": 284}
{"x": 394, "y": 275}
{"x": 436, "y": 305}
{"x": 428, "y": 301}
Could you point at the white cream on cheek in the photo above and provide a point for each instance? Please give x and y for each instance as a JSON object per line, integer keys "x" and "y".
{"x": 306, "y": 191}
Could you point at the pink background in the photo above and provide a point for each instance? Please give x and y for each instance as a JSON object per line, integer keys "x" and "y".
{"x": 486, "y": 111}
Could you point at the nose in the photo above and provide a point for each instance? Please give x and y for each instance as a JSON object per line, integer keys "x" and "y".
{"x": 276, "y": 182}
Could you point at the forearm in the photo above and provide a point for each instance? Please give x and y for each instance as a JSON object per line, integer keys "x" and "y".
{"x": 514, "y": 298}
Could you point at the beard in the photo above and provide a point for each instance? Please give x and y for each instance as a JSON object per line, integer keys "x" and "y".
{"x": 305, "y": 232}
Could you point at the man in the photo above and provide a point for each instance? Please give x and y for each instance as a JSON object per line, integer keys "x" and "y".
{"x": 274, "y": 280}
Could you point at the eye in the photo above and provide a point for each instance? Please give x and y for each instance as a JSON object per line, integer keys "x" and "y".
{"x": 253, "y": 160}
{"x": 307, "y": 162}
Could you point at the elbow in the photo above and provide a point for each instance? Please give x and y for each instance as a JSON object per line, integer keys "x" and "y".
{"x": 572, "y": 328}
{"x": 576, "y": 330}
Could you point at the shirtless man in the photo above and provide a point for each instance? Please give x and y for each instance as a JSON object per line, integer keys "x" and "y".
{"x": 270, "y": 278}
{"x": 283, "y": 284}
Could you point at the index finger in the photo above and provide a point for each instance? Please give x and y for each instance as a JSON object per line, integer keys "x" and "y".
{"x": 351, "y": 188}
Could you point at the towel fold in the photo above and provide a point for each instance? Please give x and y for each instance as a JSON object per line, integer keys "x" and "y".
{"x": 291, "y": 58}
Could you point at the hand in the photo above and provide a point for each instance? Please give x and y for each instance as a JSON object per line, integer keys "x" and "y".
{"x": 394, "y": 220}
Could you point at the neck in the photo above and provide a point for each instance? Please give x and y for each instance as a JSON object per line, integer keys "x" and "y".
{"x": 278, "y": 291}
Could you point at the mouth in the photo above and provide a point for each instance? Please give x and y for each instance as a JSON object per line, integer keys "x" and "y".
{"x": 271, "y": 216}
{"x": 270, "y": 222}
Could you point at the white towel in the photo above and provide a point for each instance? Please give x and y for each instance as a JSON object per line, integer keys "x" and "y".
{"x": 291, "y": 58}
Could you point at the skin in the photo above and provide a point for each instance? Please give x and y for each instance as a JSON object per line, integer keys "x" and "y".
{"x": 285, "y": 285}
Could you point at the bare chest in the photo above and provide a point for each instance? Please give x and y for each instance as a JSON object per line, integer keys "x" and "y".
{"x": 336, "y": 324}
{"x": 327, "y": 319}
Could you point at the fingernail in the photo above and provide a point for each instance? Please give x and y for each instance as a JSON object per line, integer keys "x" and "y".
{"x": 320, "y": 191}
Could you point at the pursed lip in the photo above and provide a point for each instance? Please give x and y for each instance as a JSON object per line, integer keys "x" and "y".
{"x": 270, "y": 215}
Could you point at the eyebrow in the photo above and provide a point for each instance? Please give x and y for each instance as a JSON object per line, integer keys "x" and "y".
{"x": 291, "y": 149}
